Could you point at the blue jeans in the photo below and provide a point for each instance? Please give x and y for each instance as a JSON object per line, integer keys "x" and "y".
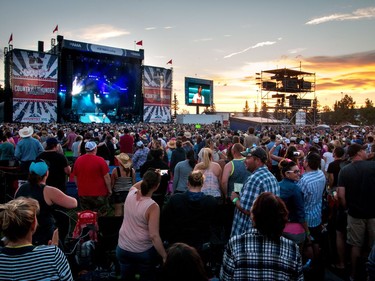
{"x": 143, "y": 263}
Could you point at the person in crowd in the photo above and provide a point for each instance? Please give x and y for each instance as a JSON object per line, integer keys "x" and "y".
{"x": 183, "y": 263}
{"x": 355, "y": 192}
{"x": 338, "y": 219}
{"x": 91, "y": 174}
{"x": 275, "y": 170}
{"x": 216, "y": 156}
{"x": 6, "y": 151}
{"x": 122, "y": 179}
{"x": 182, "y": 217}
{"x": 328, "y": 156}
{"x": 157, "y": 163}
{"x": 182, "y": 172}
{"x": 139, "y": 245}
{"x": 178, "y": 155}
{"x": 260, "y": 180}
{"x": 140, "y": 155}
{"x": 20, "y": 259}
{"x": 126, "y": 143}
{"x": 171, "y": 146}
{"x": 27, "y": 149}
{"x": 75, "y": 147}
{"x": 251, "y": 139}
{"x": 212, "y": 175}
{"x": 233, "y": 178}
{"x": 261, "y": 253}
{"x": 58, "y": 164}
{"x": 70, "y": 138}
{"x": 48, "y": 197}
{"x": 296, "y": 228}
{"x": 106, "y": 150}
{"x": 312, "y": 185}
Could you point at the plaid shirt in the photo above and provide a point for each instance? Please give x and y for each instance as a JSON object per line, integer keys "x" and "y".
{"x": 140, "y": 157}
{"x": 312, "y": 185}
{"x": 252, "y": 256}
{"x": 261, "y": 180}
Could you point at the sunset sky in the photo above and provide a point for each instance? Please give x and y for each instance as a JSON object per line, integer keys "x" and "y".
{"x": 224, "y": 41}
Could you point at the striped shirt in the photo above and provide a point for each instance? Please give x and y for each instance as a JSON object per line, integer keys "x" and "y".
{"x": 261, "y": 180}
{"x": 312, "y": 185}
{"x": 252, "y": 256}
{"x": 34, "y": 263}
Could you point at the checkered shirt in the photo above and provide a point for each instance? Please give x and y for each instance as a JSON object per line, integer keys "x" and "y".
{"x": 261, "y": 180}
{"x": 252, "y": 256}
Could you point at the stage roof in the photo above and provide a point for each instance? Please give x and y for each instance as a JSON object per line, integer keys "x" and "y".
{"x": 287, "y": 72}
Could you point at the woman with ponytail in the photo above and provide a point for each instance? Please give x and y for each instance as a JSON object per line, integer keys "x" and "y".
{"x": 139, "y": 246}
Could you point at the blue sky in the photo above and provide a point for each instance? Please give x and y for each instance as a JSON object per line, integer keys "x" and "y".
{"x": 226, "y": 41}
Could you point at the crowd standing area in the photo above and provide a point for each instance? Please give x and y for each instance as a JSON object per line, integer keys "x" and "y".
{"x": 186, "y": 202}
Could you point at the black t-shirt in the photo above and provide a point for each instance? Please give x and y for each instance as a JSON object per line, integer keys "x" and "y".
{"x": 188, "y": 219}
{"x": 358, "y": 178}
{"x": 57, "y": 163}
{"x": 334, "y": 168}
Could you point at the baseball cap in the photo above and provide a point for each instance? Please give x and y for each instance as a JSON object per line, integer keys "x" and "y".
{"x": 51, "y": 141}
{"x": 139, "y": 143}
{"x": 90, "y": 146}
{"x": 354, "y": 148}
{"x": 257, "y": 152}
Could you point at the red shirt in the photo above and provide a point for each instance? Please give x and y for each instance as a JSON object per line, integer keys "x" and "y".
{"x": 126, "y": 143}
{"x": 90, "y": 171}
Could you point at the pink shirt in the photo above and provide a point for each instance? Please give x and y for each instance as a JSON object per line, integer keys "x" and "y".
{"x": 134, "y": 234}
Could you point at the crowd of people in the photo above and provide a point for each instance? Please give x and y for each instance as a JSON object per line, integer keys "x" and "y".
{"x": 283, "y": 203}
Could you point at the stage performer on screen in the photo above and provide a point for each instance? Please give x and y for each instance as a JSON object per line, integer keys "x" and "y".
{"x": 198, "y": 97}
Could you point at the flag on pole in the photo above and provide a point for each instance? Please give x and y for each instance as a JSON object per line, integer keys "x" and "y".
{"x": 10, "y": 38}
{"x": 170, "y": 62}
{"x": 139, "y": 43}
{"x": 56, "y": 29}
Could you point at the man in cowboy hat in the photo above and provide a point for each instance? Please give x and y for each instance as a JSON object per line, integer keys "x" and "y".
{"x": 27, "y": 149}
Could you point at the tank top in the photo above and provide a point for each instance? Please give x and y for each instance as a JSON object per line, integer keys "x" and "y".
{"x": 238, "y": 175}
{"x": 134, "y": 234}
{"x": 46, "y": 222}
{"x": 211, "y": 184}
{"x": 123, "y": 183}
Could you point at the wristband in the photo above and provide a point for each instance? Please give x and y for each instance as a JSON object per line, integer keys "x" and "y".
{"x": 235, "y": 200}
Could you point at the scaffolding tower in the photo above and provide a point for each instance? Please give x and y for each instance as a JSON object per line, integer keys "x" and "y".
{"x": 288, "y": 95}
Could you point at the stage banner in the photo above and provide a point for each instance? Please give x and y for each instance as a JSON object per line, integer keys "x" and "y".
{"x": 34, "y": 87}
{"x": 157, "y": 92}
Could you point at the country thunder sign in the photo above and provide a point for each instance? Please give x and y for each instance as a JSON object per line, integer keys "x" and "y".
{"x": 157, "y": 94}
{"x": 34, "y": 86}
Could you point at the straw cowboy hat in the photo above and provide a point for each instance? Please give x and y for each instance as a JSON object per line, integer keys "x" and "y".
{"x": 124, "y": 160}
{"x": 26, "y": 132}
{"x": 171, "y": 144}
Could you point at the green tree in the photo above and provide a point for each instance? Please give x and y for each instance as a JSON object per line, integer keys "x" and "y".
{"x": 175, "y": 106}
{"x": 256, "y": 113}
{"x": 246, "y": 109}
{"x": 345, "y": 110}
{"x": 263, "y": 110}
{"x": 367, "y": 113}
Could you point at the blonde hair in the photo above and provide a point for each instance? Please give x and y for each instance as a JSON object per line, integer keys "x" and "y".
{"x": 17, "y": 216}
{"x": 196, "y": 179}
{"x": 206, "y": 158}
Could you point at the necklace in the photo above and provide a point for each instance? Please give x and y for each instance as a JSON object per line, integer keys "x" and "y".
{"x": 19, "y": 246}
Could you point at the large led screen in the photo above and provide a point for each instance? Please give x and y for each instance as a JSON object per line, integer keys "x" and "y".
{"x": 198, "y": 92}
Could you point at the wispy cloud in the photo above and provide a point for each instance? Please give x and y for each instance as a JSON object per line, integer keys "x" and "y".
{"x": 168, "y": 27}
{"x": 366, "y": 13}
{"x": 296, "y": 51}
{"x": 150, "y": 28}
{"x": 258, "y": 45}
{"x": 100, "y": 32}
{"x": 203, "y": 40}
